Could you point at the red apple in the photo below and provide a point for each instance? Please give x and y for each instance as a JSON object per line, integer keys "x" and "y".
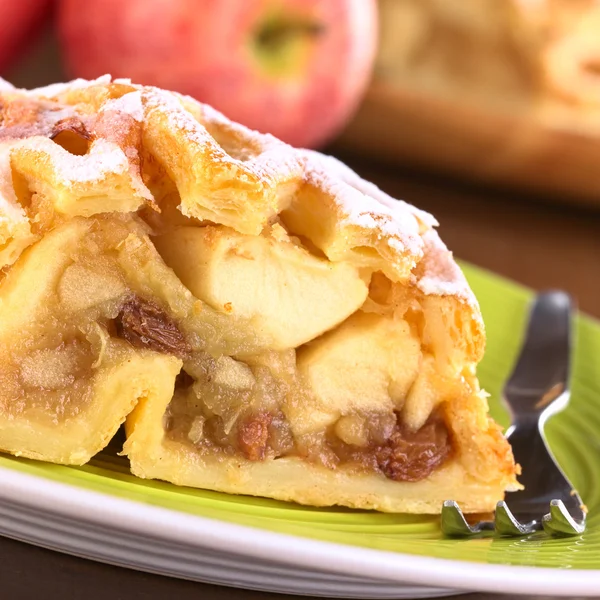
{"x": 19, "y": 22}
{"x": 294, "y": 68}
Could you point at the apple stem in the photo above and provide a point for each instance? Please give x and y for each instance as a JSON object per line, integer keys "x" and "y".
{"x": 275, "y": 33}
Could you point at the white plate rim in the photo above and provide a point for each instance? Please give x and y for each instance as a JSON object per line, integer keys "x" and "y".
{"x": 185, "y": 528}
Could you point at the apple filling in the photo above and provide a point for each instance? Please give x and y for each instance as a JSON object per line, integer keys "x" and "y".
{"x": 64, "y": 316}
{"x": 333, "y": 385}
{"x": 264, "y": 375}
{"x": 216, "y": 415}
{"x": 53, "y": 381}
{"x": 225, "y": 406}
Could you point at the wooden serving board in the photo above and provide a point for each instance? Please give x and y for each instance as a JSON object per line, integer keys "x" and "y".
{"x": 509, "y": 150}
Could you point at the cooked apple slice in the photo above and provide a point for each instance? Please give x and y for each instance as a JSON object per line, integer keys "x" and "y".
{"x": 290, "y": 295}
{"x": 367, "y": 364}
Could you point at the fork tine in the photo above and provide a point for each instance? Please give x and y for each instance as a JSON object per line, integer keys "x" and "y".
{"x": 559, "y": 522}
{"x": 454, "y": 522}
{"x": 506, "y": 524}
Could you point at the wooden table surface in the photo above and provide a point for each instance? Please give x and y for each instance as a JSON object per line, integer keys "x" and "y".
{"x": 539, "y": 245}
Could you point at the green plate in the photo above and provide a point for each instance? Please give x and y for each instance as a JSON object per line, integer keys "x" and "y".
{"x": 574, "y": 436}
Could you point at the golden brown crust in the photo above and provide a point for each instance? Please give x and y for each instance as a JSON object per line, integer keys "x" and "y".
{"x": 223, "y": 172}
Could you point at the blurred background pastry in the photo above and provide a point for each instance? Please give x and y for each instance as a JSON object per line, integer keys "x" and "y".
{"x": 505, "y": 91}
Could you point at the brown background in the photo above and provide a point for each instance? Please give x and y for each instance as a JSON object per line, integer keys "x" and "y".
{"x": 539, "y": 244}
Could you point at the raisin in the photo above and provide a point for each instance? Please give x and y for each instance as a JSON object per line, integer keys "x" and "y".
{"x": 145, "y": 325}
{"x": 253, "y": 435}
{"x": 414, "y": 455}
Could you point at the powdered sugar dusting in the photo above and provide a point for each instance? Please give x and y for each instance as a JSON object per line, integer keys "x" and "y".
{"x": 438, "y": 274}
{"x": 127, "y": 81}
{"x": 5, "y": 86}
{"x": 398, "y": 223}
{"x": 104, "y": 158}
{"x": 276, "y": 160}
{"x": 395, "y": 244}
{"x": 10, "y": 214}
{"x": 130, "y": 104}
{"x": 406, "y": 228}
{"x": 263, "y": 154}
{"x": 56, "y": 89}
{"x": 178, "y": 118}
{"x": 211, "y": 114}
{"x": 369, "y": 189}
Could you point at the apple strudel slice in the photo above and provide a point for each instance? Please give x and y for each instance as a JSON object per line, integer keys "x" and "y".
{"x": 263, "y": 320}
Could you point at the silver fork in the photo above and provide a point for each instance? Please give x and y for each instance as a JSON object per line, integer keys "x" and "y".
{"x": 537, "y": 389}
